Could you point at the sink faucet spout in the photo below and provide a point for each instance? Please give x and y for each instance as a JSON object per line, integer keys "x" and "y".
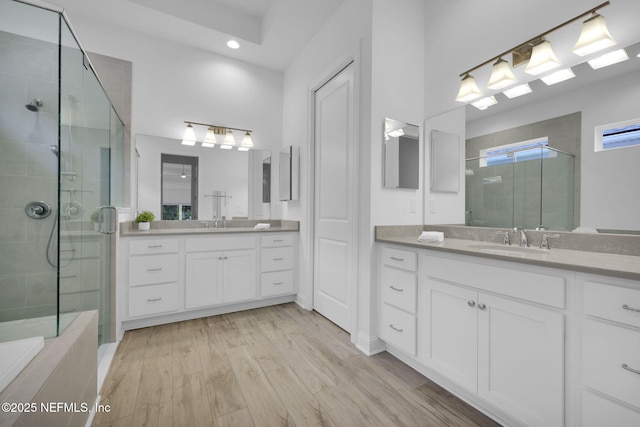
{"x": 524, "y": 241}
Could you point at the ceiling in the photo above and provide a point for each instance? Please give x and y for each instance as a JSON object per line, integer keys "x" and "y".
{"x": 271, "y": 33}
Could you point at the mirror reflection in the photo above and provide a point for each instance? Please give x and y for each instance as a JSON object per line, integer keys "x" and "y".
{"x": 218, "y": 184}
{"x": 401, "y": 155}
{"x": 569, "y": 114}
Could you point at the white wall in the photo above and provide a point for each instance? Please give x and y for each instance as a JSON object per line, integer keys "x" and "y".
{"x": 173, "y": 83}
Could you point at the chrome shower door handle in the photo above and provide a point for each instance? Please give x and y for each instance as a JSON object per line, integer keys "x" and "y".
{"x": 112, "y": 216}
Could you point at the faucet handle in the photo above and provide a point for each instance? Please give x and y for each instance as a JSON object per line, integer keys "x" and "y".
{"x": 544, "y": 244}
{"x": 506, "y": 240}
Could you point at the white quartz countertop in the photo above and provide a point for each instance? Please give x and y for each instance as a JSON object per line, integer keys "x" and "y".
{"x": 622, "y": 266}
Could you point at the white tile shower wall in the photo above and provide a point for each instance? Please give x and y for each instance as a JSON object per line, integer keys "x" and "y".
{"x": 28, "y": 70}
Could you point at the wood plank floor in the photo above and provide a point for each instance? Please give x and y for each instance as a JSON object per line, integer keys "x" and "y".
{"x": 273, "y": 366}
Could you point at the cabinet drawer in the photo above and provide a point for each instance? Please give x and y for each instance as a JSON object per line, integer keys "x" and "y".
{"x": 398, "y": 329}
{"x": 275, "y": 259}
{"x": 146, "y": 270}
{"x": 612, "y": 303}
{"x": 400, "y": 259}
{"x": 156, "y": 246}
{"x": 398, "y": 288}
{"x": 277, "y": 240}
{"x": 276, "y": 283}
{"x": 598, "y": 411}
{"x": 605, "y": 349}
{"x": 156, "y": 299}
{"x": 220, "y": 243}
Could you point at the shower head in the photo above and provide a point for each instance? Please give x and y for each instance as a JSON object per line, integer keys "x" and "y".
{"x": 34, "y": 105}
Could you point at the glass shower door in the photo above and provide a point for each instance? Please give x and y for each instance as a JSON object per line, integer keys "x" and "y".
{"x": 89, "y": 131}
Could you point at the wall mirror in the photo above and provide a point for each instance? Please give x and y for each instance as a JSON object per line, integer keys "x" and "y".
{"x": 223, "y": 183}
{"x": 445, "y": 162}
{"x": 605, "y": 182}
{"x": 401, "y": 158}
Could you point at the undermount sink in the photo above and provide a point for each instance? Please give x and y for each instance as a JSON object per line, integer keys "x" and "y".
{"x": 508, "y": 250}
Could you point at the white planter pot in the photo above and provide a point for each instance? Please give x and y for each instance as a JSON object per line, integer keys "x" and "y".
{"x": 144, "y": 226}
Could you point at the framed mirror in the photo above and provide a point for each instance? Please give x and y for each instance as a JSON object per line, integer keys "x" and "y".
{"x": 401, "y": 158}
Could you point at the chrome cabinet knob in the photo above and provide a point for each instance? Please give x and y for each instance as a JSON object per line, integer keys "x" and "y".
{"x": 481, "y": 306}
{"x": 471, "y": 303}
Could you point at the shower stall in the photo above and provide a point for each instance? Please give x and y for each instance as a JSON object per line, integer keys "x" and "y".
{"x": 61, "y": 171}
{"x": 531, "y": 188}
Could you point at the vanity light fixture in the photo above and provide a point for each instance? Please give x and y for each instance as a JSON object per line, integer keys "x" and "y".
{"x": 542, "y": 59}
{"x": 233, "y": 44}
{"x": 184, "y": 175}
{"x": 247, "y": 143}
{"x": 485, "y": 103}
{"x": 210, "y": 139}
{"x": 609, "y": 59}
{"x": 501, "y": 75}
{"x": 537, "y": 54}
{"x": 594, "y": 36}
{"x": 558, "y": 76}
{"x": 229, "y": 141}
{"x": 469, "y": 89}
{"x": 517, "y": 91}
{"x": 189, "y": 137}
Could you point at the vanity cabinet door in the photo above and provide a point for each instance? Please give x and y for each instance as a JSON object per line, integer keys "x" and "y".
{"x": 240, "y": 281}
{"x": 204, "y": 276}
{"x": 451, "y": 338}
{"x": 520, "y": 359}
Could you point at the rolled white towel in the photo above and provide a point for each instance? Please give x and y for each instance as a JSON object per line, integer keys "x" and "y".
{"x": 431, "y": 237}
{"x": 262, "y": 226}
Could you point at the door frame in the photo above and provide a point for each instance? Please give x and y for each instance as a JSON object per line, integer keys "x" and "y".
{"x": 353, "y": 60}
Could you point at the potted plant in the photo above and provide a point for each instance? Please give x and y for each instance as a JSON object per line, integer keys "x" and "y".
{"x": 144, "y": 219}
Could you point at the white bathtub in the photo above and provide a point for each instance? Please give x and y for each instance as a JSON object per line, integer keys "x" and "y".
{"x": 15, "y": 355}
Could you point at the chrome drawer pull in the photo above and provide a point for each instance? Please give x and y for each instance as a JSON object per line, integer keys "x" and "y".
{"x": 154, "y": 299}
{"x": 278, "y": 240}
{"x": 278, "y": 259}
{"x": 154, "y": 246}
{"x": 394, "y": 328}
{"x": 154, "y": 269}
{"x": 635, "y": 371}
{"x": 471, "y": 303}
{"x": 278, "y": 283}
{"x": 396, "y": 289}
{"x": 626, "y": 307}
{"x": 396, "y": 259}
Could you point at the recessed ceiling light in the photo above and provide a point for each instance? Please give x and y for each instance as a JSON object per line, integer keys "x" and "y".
{"x": 517, "y": 91}
{"x": 609, "y": 59}
{"x": 558, "y": 76}
{"x": 233, "y": 44}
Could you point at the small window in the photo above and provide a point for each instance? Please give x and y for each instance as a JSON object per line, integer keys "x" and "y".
{"x": 618, "y": 135}
{"x": 533, "y": 149}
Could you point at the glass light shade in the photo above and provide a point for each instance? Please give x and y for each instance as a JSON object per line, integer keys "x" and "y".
{"x": 208, "y": 144}
{"x": 517, "y": 91}
{"x": 558, "y": 76}
{"x": 229, "y": 140}
{"x": 542, "y": 59}
{"x": 233, "y": 44}
{"x": 396, "y": 133}
{"x": 594, "y": 36}
{"x": 501, "y": 75}
{"x": 189, "y": 137}
{"x": 210, "y": 137}
{"x": 247, "y": 143}
{"x": 485, "y": 103}
{"x": 609, "y": 59}
{"x": 469, "y": 89}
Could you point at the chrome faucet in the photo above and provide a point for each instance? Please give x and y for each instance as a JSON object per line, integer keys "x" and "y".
{"x": 524, "y": 242}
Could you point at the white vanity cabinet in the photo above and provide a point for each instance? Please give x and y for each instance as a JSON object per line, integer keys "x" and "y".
{"x": 172, "y": 277}
{"x": 610, "y": 352}
{"x": 220, "y": 270}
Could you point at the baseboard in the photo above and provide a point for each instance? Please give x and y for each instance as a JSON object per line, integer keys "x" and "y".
{"x": 369, "y": 345}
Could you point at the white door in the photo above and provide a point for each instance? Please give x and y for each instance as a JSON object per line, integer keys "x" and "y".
{"x": 335, "y": 199}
